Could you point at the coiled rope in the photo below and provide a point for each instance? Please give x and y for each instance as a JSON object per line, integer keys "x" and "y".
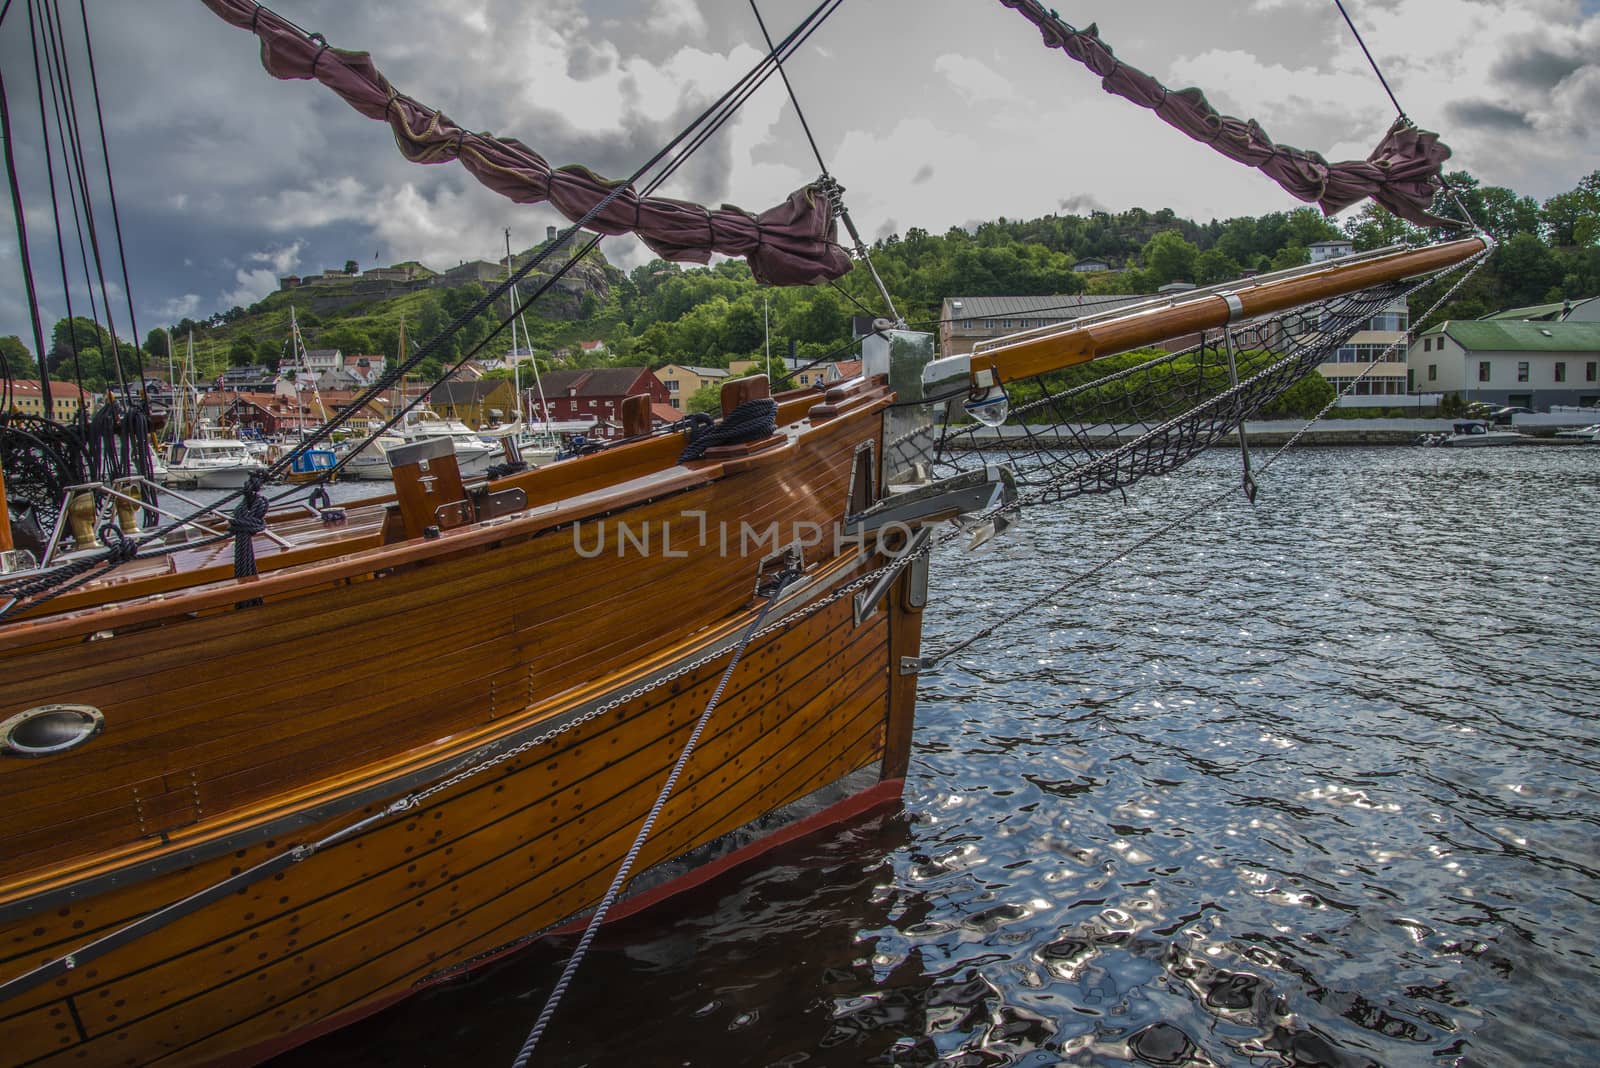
{"x": 751, "y": 421}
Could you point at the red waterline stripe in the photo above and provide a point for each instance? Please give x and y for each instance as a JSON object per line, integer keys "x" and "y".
{"x": 885, "y": 792}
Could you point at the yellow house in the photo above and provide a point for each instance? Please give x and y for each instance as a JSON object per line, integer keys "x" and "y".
{"x": 682, "y": 381}
{"x": 480, "y": 403}
{"x": 28, "y": 399}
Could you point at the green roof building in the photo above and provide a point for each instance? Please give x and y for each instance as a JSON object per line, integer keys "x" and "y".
{"x": 1531, "y": 362}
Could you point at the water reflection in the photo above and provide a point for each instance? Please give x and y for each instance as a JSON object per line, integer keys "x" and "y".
{"x": 1308, "y": 784}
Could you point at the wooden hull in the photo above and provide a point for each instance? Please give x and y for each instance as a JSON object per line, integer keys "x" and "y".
{"x": 222, "y": 751}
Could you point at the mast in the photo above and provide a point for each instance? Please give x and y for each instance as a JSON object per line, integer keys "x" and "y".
{"x": 302, "y": 359}
{"x": 516, "y": 360}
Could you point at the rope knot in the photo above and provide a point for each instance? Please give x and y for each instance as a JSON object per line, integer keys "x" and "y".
{"x": 247, "y": 520}
{"x": 120, "y": 549}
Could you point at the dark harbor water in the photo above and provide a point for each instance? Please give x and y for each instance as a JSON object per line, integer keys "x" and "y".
{"x": 1316, "y": 783}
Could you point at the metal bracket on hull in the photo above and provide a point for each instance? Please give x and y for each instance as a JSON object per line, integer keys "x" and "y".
{"x": 948, "y": 498}
{"x": 865, "y": 602}
{"x": 913, "y": 665}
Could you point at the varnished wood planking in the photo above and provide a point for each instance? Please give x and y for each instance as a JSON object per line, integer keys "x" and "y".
{"x": 642, "y": 784}
{"x": 809, "y": 470}
{"x": 559, "y": 772}
{"x": 761, "y": 661}
{"x": 586, "y": 873}
{"x": 168, "y": 715}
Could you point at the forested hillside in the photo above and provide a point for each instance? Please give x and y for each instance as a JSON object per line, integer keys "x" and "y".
{"x": 660, "y": 312}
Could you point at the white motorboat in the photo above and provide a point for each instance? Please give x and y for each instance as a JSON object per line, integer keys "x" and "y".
{"x": 1587, "y": 435}
{"x": 474, "y": 456}
{"x": 214, "y": 460}
{"x": 1475, "y": 434}
{"x": 371, "y": 460}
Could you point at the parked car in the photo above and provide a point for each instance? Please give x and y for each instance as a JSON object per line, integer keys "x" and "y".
{"x": 1502, "y": 416}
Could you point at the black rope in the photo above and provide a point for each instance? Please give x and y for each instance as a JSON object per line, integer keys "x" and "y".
{"x": 71, "y": 101}
{"x": 55, "y": 211}
{"x": 248, "y": 520}
{"x": 1381, "y": 79}
{"x": 751, "y": 421}
{"x": 111, "y": 194}
{"x": 71, "y": 154}
{"x": 22, "y": 246}
{"x": 685, "y": 143}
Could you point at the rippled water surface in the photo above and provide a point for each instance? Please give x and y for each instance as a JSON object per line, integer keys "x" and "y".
{"x": 1309, "y": 784}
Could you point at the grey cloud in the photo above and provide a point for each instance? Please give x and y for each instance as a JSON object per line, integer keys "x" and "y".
{"x": 1081, "y": 204}
{"x": 924, "y": 173}
{"x": 1488, "y": 116}
{"x": 1536, "y": 67}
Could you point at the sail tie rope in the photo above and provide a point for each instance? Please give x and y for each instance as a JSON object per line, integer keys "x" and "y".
{"x": 779, "y": 582}
{"x": 247, "y": 520}
{"x": 751, "y": 421}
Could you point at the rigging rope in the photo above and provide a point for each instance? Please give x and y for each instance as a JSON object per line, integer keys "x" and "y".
{"x": 626, "y": 867}
{"x": 836, "y": 191}
{"x": 690, "y": 138}
{"x": 932, "y": 660}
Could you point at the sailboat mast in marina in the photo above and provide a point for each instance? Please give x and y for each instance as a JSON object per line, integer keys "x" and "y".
{"x": 596, "y": 677}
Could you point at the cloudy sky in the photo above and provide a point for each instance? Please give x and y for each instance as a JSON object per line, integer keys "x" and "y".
{"x": 933, "y": 113}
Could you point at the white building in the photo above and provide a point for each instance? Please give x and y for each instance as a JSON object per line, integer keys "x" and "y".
{"x": 1529, "y": 363}
{"x": 1381, "y": 336}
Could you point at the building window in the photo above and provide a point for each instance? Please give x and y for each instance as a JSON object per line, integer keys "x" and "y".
{"x": 1522, "y": 371}
{"x": 1433, "y": 372}
{"x": 673, "y": 402}
{"x": 1427, "y": 344}
{"x": 1483, "y": 371}
{"x": 672, "y": 385}
{"x": 1561, "y": 371}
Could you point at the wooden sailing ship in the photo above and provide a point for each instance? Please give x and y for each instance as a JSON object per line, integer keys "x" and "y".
{"x": 218, "y": 847}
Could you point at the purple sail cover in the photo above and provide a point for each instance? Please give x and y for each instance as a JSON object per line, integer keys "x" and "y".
{"x": 1402, "y": 174}
{"x": 794, "y": 243}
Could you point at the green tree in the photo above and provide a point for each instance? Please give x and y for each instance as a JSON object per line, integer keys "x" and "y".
{"x": 1291, "y": 256}
{"x": 243, "y": 350}
{"x": 708, "y": 398}
{"x": 157, "y": 343}
{"x": 1529, "y": 272}
{"x": 351, "y": 266}
{"x": 1213, "y": 266}
{"x": 1378, "y": 227}
{"x": 1573, "y": 219}
{"x": 18, "y": 357}
{"x": 1170, "y": 258}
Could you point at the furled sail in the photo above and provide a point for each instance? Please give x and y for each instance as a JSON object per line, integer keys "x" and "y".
{"x": 1402, "y": 173}
{"x": 793, "y": 243}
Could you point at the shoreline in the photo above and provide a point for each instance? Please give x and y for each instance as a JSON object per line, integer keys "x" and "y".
{"x": 1330, "y": 432}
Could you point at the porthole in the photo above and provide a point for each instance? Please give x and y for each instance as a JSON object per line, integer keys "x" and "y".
{"x": 49, "y": 729}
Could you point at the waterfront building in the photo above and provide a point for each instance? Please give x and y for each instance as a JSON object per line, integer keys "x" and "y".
{"x": 477, "y": 402}
{"x": 596, "y": 393}
{"x": 28, "y": 399}
{"x": 1530, "y": 363}
{"x": 682, "y": 381}
{"x": 1381, "y": 384}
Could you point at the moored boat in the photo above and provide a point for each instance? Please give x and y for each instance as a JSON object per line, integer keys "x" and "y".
{"x": 213, "y": 460}
{"x": 218, "y": 847}
{"x": 1476, "y": 434}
